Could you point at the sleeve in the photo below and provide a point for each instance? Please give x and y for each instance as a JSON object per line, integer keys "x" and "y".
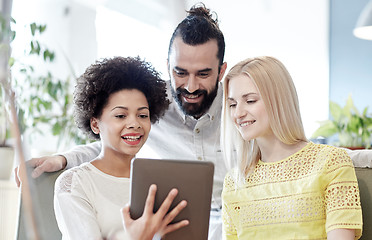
{"x": 342, "y": 199}
{"x": 74, "y": 214}
{"x": 81, "y": 153}
{"x": 228, "y": 227}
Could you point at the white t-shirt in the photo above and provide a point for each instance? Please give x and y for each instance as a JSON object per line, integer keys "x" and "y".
{"x": 87, "y": 203}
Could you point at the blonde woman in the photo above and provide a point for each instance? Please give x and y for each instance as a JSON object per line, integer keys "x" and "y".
{"x": 283, "y": 186}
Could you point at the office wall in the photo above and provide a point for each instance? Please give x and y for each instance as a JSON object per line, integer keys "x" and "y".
{"x": 350, "y": 57}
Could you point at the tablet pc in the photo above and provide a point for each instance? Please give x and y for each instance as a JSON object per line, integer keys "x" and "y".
{"x": 194, "y": 181}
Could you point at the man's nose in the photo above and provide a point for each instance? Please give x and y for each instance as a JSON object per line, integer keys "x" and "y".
{"x": 192, "y": 84}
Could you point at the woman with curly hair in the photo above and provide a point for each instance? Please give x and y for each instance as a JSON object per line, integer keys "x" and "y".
{"x": 115, "y": 100}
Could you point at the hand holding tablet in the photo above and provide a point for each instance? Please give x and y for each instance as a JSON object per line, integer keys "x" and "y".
{"x": 192, "y": 179}
{"x": 151, "y": 224}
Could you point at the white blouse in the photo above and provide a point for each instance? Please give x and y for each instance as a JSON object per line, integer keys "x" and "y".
{"x": 87, "y": 203}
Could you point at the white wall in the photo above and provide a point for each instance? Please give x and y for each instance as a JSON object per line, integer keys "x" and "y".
{"x": 294, "y": 31}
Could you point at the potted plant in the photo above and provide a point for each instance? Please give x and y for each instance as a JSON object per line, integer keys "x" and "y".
{"x": 42, "y": 100}
{"x": 48, "y": 101}
{"x": 354, "y": 129}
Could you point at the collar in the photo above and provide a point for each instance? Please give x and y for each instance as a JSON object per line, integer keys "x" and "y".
{"x": 212, "y": 112}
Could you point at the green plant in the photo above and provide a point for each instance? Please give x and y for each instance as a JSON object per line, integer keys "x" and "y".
{"x": 6, "y": 36}
{"x": 353, "y": 128}
{"x": 43, "y": 101}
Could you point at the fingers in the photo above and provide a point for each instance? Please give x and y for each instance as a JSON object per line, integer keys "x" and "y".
{"x": 175, "y": 211}
{"x": 170, "y": 216}
{"x": 167, "y": 202}
{"x": 38, "y": 171}
{"x": 34, "y": 162}
{"x": 20, "y": 170}
{"x": 16, "y": 177}
{"x": 175, "y": 226}
{"x": 19, "y": 174}
{"x": 46, "y": 164}
{"x": 40, "y": 165}
{"x": 150, "y": 200}
{"x": 126, "y": 216}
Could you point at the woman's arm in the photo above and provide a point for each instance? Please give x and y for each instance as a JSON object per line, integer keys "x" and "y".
{"x": 341, "y": 234}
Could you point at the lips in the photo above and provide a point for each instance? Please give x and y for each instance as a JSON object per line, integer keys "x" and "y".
{"x": 132, "y": 138}
{"x": 192, "y": 98}
{"x": 246, "y": 123}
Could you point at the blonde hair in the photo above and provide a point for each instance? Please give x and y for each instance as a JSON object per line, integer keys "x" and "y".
{"x": 279, "y": 95}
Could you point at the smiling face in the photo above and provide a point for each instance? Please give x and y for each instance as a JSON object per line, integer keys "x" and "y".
{"x": 194, "y": 75}
{"x": 124, "y": 124}
{"x": 247, "y": 108}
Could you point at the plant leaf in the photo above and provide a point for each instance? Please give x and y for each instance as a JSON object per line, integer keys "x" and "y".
{"x": 335, "y": 110}
{"x": 326, "y": 129}
{"x": 33, "y": 28}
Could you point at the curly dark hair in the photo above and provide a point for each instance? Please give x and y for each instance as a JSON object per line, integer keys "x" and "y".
{"x": 199, "y": 27}
{"x": 110, "y": 75}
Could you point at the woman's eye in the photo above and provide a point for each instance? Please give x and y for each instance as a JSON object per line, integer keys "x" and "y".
{"x": 143, "y": 116}
{"x": 232, "y": 105}
{"x": 251, "y": 101}
{"x": 120, "y": 116}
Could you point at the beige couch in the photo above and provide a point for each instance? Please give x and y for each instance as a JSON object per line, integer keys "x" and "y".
{"x": 362, "y": 160}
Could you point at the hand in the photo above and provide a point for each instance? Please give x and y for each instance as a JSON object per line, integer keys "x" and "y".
{"x": 42, "y": 164}
{"x": 151, "y": 224}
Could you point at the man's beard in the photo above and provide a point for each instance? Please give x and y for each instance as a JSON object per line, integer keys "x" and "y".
{"x": 195, "y": 110}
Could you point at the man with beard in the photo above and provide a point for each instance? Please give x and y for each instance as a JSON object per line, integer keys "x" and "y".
{"x": 190, "y": 128}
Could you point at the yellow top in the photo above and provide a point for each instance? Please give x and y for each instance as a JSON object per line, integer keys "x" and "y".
{"x": 301, "y": 197}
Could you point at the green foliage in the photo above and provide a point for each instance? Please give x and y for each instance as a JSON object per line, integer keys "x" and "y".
{"x": 43, "y": 100}
{"x": 6, "y": 33}
{"x": 354, "y": 129}
{"x": 6, "y": 36}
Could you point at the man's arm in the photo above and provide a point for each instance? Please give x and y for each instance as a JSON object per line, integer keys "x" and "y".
{"x": 74, "y": 157}
{"x": 81, "y": 154}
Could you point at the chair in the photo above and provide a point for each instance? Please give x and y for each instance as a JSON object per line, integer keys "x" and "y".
{"x": 42, "y": 191}
{"x": 362, "y": 160}
{"x": 364, "y": 176}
